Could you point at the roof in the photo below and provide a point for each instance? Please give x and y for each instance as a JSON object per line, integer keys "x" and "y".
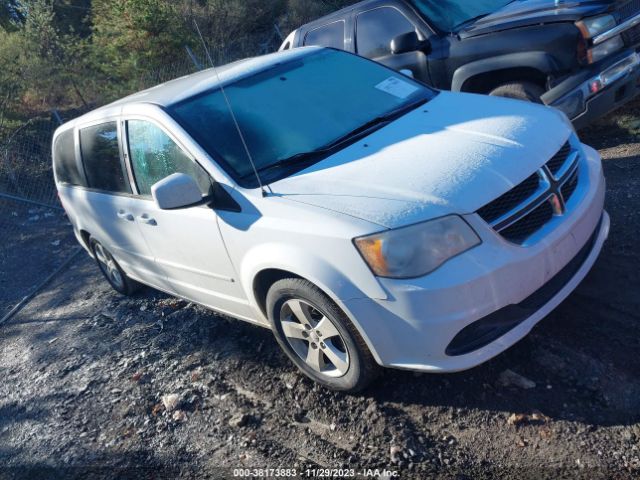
{"x": 174, "y": 91}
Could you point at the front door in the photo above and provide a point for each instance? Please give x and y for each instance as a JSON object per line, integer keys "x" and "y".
{"x": 186, "y": 243}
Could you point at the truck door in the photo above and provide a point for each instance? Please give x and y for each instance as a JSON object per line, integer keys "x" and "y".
{"x": 375, "y": 30}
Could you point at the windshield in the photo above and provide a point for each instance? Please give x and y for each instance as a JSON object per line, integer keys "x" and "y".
{"x": 292, "y": 109}
{"x": 448, "y": 15}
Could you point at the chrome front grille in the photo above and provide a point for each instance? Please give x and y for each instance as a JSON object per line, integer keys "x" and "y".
{"x": 514, "y": 197}
{"x": 529, "y": 224}
{"x": 530, "y": 205}
{"x": 632, "y": 36}
{"x": 559, "y": 159}
{"x": 628, "y": 10}
{"x": 625, "y": 12}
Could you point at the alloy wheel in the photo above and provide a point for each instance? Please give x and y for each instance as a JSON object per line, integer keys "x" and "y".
{"x": 314, "y": 338}
{"x": 108, "y": 265}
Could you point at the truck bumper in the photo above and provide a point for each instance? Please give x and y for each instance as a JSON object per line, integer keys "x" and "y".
{"x": 590, "y": 95}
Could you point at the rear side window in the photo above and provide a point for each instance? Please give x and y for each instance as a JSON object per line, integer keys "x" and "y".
{"x": 154, "y": 156}
{"x": 376, "y": 28}
{"x": 331, "y": 35}
{"x": 64, "y": 159}
{"x": 101, "y": 157}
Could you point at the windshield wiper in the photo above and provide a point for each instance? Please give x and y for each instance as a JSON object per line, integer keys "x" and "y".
{"x": 470, "y": 21}
{"x": 376, "y": 122}
{"x": 313, "y": 156}
{"x": 297, "y": 159}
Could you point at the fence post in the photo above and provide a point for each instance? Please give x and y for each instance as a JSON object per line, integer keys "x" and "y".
{"x": 193, "y": 58}
{"x": 57, "y": 116}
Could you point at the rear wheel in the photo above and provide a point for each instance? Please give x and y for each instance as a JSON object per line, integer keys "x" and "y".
{"x": 112, "y": 271}
{"x": 318, "y": 337}
{"x": 527, "y": 91}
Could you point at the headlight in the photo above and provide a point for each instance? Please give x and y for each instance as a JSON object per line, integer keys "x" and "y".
{"x": 605, "y": 49}
{"x": 416, "y": 250}
{"x": 594, "y": 26}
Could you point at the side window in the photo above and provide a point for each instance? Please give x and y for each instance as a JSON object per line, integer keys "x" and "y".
{"x": 101, "y": 157}
{"x": 376, "y": 28}
{"x": 331, "y": 35}
{"x": 154, "y": 156}
{"x": 64, "y": 160}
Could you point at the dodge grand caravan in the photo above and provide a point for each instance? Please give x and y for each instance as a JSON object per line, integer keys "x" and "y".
{"x": 365, "y": 218}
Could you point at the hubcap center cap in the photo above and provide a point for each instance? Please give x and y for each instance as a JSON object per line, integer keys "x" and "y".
{"x": 314, "y": 337}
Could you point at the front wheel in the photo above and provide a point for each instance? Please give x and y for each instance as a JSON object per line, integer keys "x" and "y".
{"x": 526, "y": 91}
{"x": 318, "y": 337}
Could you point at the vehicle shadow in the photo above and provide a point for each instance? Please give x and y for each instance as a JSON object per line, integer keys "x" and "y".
{"x": 132, "y": 465}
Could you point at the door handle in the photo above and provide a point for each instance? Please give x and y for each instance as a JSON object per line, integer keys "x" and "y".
{"x": 146, "y": 219}
{"x": 125, "y": 216}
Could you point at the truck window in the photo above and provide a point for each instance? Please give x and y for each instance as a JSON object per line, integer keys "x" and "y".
{"x": 154, "y": 156}
{"x": 331, "y": 35}
{"x": 376, "y": 28}
{"x": 64, "y": 159}
{"x": 101, "y": 158}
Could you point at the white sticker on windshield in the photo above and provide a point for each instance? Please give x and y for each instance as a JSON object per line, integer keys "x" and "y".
{"x": 397, "y": 87}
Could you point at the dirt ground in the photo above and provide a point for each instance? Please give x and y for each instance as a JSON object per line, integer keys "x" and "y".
{"x": 85, "y": 371}
{"x": 34, "y": 242}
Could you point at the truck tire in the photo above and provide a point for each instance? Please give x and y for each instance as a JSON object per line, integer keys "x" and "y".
{"x": 526, "y": 91}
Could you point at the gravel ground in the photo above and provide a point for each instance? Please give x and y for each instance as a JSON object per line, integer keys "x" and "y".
{"x": 101, "y": 386}
{"x": 35, "y": 241}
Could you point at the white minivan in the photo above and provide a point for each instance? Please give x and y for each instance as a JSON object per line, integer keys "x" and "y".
{"x": 365, "y": 218}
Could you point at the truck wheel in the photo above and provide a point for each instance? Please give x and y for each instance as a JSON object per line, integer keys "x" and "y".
{"x": 318, "y": 337}
{"x": 527, "y": 91}
{"x": 112, "y": 271}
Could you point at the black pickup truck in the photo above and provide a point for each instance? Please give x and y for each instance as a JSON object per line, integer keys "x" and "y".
{"x": 579, "y": 56}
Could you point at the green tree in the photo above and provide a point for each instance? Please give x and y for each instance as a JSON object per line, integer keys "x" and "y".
{"x": 10, "y": 16}
{"x": 135, "y": 36}
{"x": 73, "y": 17}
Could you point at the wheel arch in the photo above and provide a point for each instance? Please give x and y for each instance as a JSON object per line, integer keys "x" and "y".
{"x": 264, "y": 280}
{"x": 85, "y": 237}
{"x": 484, "y": 75}
{"x": 264, "y": 266}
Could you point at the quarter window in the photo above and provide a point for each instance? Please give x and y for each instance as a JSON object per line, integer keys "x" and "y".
{"x": 101, "y": 157}
{"x": 376, "y": 28}
{"x": 154, "y": 156}
{"x": 331, "y": 35}
{"x": 64, "y": 158}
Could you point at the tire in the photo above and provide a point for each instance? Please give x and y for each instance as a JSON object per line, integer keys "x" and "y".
{"x": 340, "y": 360}
{"x": 114, "y": 274}
{"x": 526, "y": 91}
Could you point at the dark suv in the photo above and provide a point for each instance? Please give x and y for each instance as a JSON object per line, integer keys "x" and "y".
{"x": 579, "y": 56}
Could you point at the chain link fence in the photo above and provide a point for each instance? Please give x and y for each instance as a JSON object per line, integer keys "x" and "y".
{"x": 35, "y": 235}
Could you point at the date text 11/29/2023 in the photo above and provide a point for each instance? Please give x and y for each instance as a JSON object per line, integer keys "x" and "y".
{"x": 314, "y": 473}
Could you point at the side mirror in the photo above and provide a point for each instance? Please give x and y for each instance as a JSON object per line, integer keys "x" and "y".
{"x": 409, "y": 42}
{"x": 176, "y": 191}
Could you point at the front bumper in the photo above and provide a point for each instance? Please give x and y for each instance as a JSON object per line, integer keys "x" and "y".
{"x": 574, "y": 96}
{"x": 421, "y": 318}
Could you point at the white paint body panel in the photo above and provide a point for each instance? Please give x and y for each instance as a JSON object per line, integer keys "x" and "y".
{"x": 452, "y": 156}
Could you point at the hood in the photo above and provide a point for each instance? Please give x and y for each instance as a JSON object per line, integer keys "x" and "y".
{"x": 452, "y": 156}
{"x": 522, "y": 13}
